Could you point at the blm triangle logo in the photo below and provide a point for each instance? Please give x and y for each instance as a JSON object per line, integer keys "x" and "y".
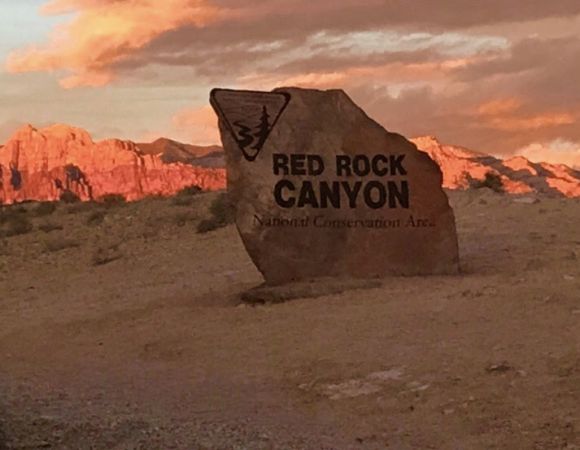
{"x": 250, "y": 116}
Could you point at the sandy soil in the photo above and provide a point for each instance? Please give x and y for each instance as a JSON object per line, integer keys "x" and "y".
{"x": 129, "y": 334}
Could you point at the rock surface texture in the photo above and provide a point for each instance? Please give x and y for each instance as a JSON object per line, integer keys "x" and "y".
{"x": 41, "y": 164}
{"x": 324, "y": 191}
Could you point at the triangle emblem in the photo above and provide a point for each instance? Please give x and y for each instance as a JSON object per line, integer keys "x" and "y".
{"x": 250, "y": 116}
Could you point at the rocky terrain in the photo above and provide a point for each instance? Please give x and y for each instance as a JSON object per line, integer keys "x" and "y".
{"x": 123, "y": 328}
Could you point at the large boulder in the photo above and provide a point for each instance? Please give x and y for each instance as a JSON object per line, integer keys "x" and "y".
{"x": 322, "y": 190}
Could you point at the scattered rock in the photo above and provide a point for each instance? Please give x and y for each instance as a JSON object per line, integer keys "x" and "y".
{"x": 503, "y": 367}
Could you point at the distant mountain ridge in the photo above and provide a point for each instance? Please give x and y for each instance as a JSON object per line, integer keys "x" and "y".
{"x": 172, "y": 152}
{"x": 39, "y": 164}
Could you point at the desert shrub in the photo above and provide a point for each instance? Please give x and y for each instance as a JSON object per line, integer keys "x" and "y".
{"x": 45, "y": 209}
{"x": 492, "y": 181}
{"x": 60, "y": 243}
{"x": 106, "y": 255}
{"x": 186, "y": 196}
{"x": 190, "y": 190}
{"x": 207, "y": 225}
{"x": 82, "y": 207}
{"x": 113, "y": 200}
{"x": 222, "y": 212}
{"x": 49, "y": 227}
{"x": 69, "y": 197}
{"x": 13, "y": 223}
{"x": 223, "y": 209}
{"x": 96, "y": 218}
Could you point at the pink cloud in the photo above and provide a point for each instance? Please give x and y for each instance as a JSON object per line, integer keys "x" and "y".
{"x": 507, "y": 115}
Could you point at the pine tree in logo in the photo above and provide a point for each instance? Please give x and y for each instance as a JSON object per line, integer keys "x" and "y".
{"x": 263, "y": 129}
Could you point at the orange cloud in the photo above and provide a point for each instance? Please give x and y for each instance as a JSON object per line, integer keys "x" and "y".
{"x": 532, "y": 123}
{"x": 105, "y": 32}
{"x": 356, "y": 75}
{"x": 499, "y": 107}
{"x": 506, "y": 115}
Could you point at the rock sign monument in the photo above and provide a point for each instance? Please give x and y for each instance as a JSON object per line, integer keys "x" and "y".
{"x": 322, "y": 190}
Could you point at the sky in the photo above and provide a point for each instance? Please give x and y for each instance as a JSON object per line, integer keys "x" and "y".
{"x": 498, "y": 76}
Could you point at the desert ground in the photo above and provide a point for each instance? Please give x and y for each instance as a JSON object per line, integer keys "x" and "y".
{"x": 123, "y": 328}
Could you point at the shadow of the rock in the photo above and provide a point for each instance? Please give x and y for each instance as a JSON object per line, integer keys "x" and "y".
{"x": 265, "y": 294}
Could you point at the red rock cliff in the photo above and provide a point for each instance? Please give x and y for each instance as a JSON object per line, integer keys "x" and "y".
{"x": 40, "y": 164}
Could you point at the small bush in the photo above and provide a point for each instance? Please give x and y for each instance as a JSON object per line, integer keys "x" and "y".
{"x": 223, "y": 213}
{"x": 96, "y": 218}
{"x": 49, "y": 227}
{"x": 190, "y": 191}
{"x": 491, "y": 181}
{"x": 223, "y": 209}
{"x": 106, "y": 255}
{"x": 14, "y": 225}
{"x": 186, "y": 196}
{"x": 81, "y": 207}
{"x": 207, "y": 225}
{"x": 69, "y": 197}
{"x": 113, "y": 200}
{"x": 45, "y": 209}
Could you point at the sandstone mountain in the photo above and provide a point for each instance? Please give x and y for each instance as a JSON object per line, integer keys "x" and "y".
{"x": 461, "y": 167}
{"x": 39, "y": 164}
{"x": 42, "y": 164}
